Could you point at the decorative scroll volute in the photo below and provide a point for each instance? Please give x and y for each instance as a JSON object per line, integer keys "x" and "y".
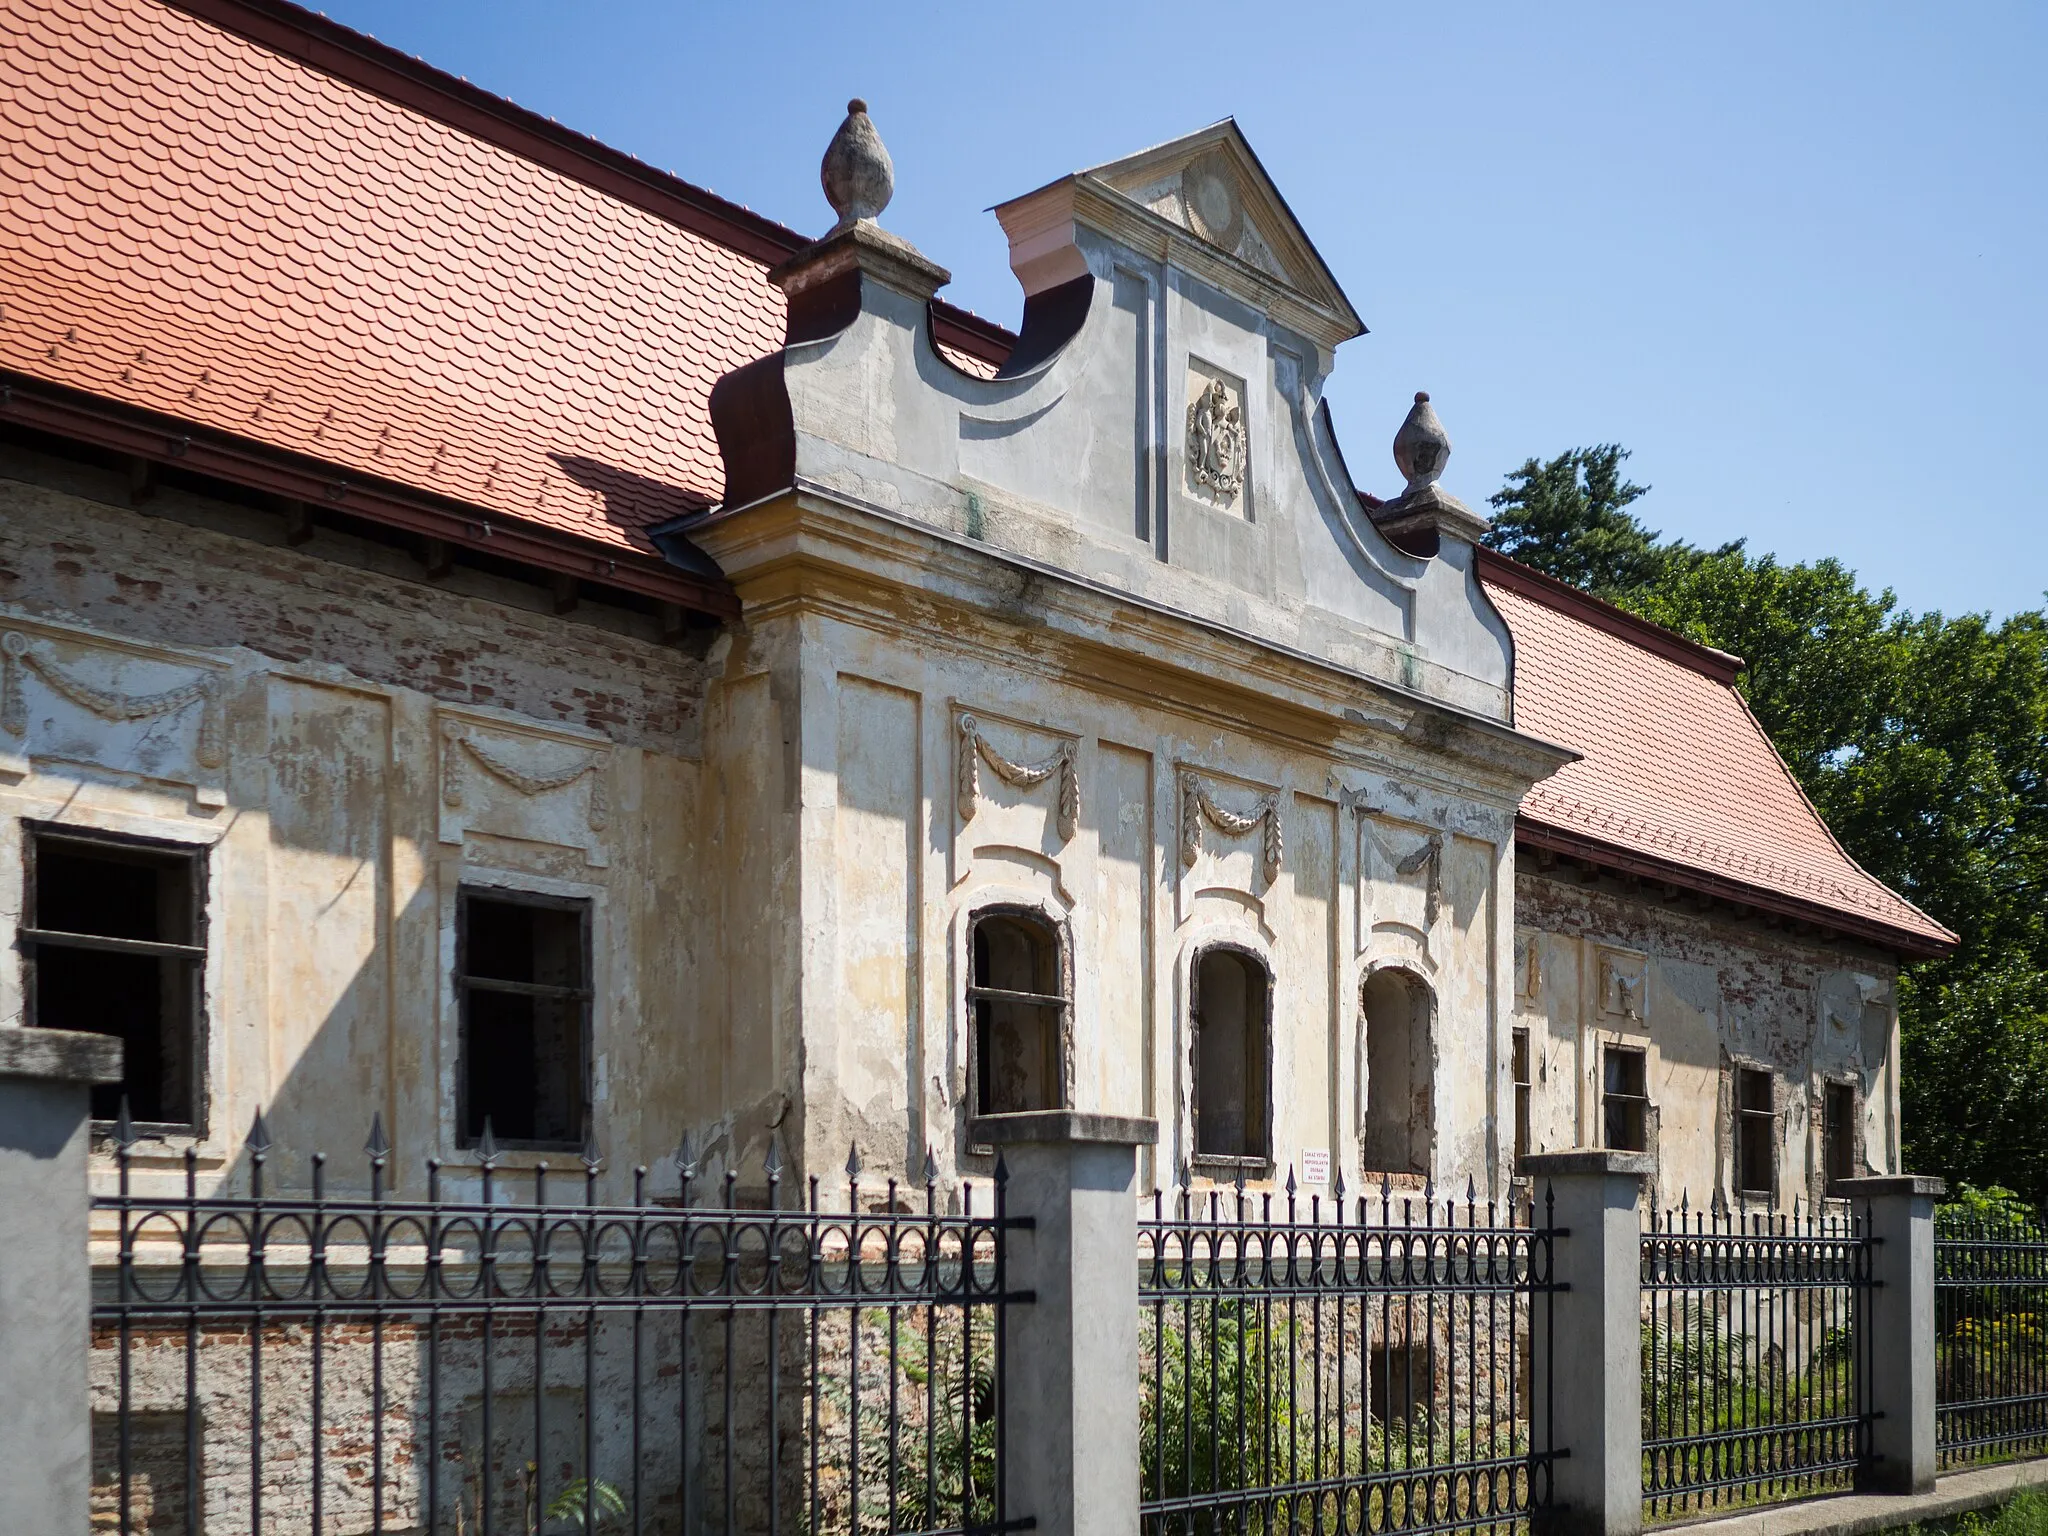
{"x": 974, "y": 750}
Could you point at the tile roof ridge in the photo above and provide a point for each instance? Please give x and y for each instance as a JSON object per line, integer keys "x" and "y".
{"x": 323, "y": 44}
{"x": 1722, "y": 666}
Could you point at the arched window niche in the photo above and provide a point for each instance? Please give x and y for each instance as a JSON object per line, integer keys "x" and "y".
{"x": 1399, "y": 1129}
{"x": 1019, "y": 998}
{"x": 1230, "y": 1011}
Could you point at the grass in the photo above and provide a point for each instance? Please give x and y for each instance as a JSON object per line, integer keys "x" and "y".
{"x": 2025, "y": 1515}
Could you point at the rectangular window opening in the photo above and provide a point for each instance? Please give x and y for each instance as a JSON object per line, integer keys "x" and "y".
{"x": 1838, "y": 1120}
{"x": 522, "y": 978}
{"x": 1625, "y": 1100}
{"x": 1755, "y": 1133}
{"x": 1019, "y": 1002}
{"x": 113, "y": 937}
{"x": 1524, "y": 1087}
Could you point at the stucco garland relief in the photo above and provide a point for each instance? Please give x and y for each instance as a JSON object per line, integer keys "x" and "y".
{"x": 974, "y": 750}
{"x": 22, "y": 656}
{"x": 542, "y": 769}
{"x": 1400, "y": 881}
{"x": 1199, "y": 810}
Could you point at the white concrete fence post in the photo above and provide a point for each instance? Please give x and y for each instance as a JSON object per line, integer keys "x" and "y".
{"x": 45, "y": 1278}
{"x": 1900, "y": 1317}
{"x": 1591, "y": 1407}
{"x": 1071, "y": 1356}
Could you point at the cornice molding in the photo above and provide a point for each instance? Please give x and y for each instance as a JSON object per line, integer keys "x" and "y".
{"x": 811, "y": 553}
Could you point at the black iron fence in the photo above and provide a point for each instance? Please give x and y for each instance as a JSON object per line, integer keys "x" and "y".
{"x": 529, "y": 1360}
{"x": 1756, "y": 1357}
{"x": 1341, "y": 1367}
{"x": 1991, "y": 1336}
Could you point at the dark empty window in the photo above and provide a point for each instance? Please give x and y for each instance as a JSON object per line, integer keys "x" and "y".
{"x": 1019, "y": 999}
{"x": 1230, "y": 1057}
{"x": 1523, "y": 1090}
{"x": 1838, "y": 1121}
{"x": 523, "y": 978}
{"x": 114, "y": 937}
{"x": 1625, "y": 1099}
{"x": 1756, "y": 1126}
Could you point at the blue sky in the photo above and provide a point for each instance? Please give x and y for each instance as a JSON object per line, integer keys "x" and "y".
{"x": 1794, "y": 257}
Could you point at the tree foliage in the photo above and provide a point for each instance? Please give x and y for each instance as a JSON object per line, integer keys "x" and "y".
{"x": 1922, "y": 739}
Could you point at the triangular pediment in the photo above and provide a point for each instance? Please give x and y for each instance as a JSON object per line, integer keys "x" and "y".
{"x": 1211, "y": 185}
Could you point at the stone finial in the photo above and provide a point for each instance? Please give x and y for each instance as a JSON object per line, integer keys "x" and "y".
{"x": 1421, "y": 447}
{"x": 856, "y": 173}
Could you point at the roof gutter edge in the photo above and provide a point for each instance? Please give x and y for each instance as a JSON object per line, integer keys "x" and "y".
{"x": 1595, "y": 850}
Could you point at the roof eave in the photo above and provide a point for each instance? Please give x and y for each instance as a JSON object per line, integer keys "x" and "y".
{"x": 1907, "y": 942}
{"x": 109, "y": 424}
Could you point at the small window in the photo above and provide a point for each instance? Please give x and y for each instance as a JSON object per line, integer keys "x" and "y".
{"x": 1838, "y": 1121}
{"x": 1756, "y": 1126}
{"x": 522, "y": 975}
{"x": 114, "y": 938}
{"x": 1230, "y": 1057}
{"x": 1523, "y": 1088}
{"x": 1625, "y": 1101}
{"x": 1019, "y": 998}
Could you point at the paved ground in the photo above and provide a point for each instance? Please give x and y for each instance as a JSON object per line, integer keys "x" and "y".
{"x": 1861, "y": 1514}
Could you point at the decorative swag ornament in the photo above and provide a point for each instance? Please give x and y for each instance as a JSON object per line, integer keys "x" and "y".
{"x": 16, "y": 653}
{"x": 591, "y": 762}
{"x": 974, "y": 751}
{"x": 1196, "y": 807}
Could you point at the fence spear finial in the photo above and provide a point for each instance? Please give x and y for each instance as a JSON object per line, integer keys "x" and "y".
{"x": 487, "y": 1147}
{"x": 591, "y": 1161}
{"x": 853, "y": 1162}
{"x": 1337, "y": 1188}
{"x": 124, "y": 1128}
{"x": 379, "y": 1145}
{"x": 1291, "y": 1186}
{"x": 259, "y": 1135}
{"x": 931, "y": 1165}
{"x": 686, "y": 1158}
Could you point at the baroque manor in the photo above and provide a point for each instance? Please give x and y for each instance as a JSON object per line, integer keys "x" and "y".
{"x": 492, "y": 635}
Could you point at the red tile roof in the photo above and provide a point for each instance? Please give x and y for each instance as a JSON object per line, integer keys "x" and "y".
{"x": 194, "y": 223}
{"x": 1676, "y": 769}
{"x": 254, "y": 221}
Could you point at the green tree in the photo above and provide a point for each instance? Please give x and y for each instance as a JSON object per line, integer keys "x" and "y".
{"x": 1922, "y": 739}
{"x": 1569, "y": 518}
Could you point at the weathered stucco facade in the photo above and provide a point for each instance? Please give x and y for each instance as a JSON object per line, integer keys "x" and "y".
{"x": 1004, "y": 721}
{"x": 362, "y": 745}
{"x": 1602, "y": 964}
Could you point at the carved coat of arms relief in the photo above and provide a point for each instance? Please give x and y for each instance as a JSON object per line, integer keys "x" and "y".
{"x": 1216, "y": 441}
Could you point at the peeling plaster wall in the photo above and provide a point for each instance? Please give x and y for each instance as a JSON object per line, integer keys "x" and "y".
{"x": 864, "y": 822}
{"x": 370, "y": 744}
{"x": 1702, "y": 993}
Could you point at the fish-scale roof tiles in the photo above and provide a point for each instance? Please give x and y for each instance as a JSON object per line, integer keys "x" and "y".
{"x": 1674, "y": 765}
{"x": 194, "y": 224}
